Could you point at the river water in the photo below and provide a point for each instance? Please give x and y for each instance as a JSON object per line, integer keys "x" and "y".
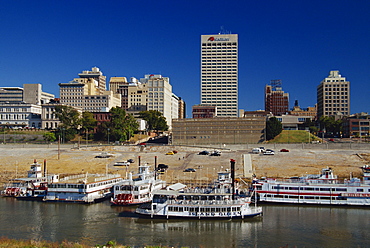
{"x": 96, "y": 224}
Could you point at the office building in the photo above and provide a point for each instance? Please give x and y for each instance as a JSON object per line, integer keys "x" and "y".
{"x": 276, "y": 100}
{"x": 30, "y": 93}
{"x": 204, "y": 111}
{"x": 119, "y": 85}
{"x": 159, "y": 95}
{"x": 95, "y": 76}
{"x": 221, "y": 130}
{"x": 219, "y": 73}
{"x": 333, "y": 96}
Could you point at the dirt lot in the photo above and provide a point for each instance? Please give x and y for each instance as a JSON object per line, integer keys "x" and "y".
{"x": 15, "y": 161}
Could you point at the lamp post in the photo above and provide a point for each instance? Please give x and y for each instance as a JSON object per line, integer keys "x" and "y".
{"x": 108, "y": 136}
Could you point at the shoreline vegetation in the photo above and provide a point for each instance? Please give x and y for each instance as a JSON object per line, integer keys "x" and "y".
{"x": 14, "y": 243}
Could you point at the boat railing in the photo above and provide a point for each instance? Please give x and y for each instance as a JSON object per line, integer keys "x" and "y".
{"x": 207, "y": 202}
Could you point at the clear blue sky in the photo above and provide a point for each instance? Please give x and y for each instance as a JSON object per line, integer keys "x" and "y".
{"x": 299, "y": 42}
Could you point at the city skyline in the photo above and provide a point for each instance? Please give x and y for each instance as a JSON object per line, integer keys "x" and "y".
{"x": 298, "y": 43}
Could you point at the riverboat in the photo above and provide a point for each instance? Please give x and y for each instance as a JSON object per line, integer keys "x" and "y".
{"x": 324, "y": 189}
{"x": 218, "y": 201}
{"x": 83, "y": 188}
{"x": 32, "y": 187}
{"x": 138, "y": 188}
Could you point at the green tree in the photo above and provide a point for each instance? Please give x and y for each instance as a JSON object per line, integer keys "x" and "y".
{"x": 49, "y": 136}
{"x": 70, "y": 122}
{"x": 88, "y": 122}
{"x": 120, "y": 127}
{"x": 273, "y": 128}
{"x": 155, "y": 120}
{"x": 329, "y": 124}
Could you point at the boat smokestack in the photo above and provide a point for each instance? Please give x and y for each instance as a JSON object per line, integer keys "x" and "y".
{"x": 232, "y": 165}
{"x": 155, "y": 167}
{"x": 44, "y": 167}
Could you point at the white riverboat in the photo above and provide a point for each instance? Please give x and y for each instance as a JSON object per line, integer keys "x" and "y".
{"x": 324, "y": 188}
{"x": 83, "y": 188}
{"x": 216, "y": 202}
{"x": 138, "y": 188}
{"x": 32, "y": 187}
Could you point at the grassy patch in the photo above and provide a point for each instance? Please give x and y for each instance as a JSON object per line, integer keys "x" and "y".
{"x": 294, "y": 136}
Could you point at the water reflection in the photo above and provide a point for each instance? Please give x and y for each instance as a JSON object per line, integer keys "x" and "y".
{"x": 96, "y": 224}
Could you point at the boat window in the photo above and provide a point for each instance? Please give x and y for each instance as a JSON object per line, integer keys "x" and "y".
{"x": 308, "y": 188}
{"x": 340, "y": 189}
{"x": 277, "y": 187}
{"x": 179, "y": 197}
{"x": 360, "y": 190}
{"x": 229, "y": 209}
{"x": 203, "y": 197}
{"x": 211, "y": 197}
{"x": 293, "y": 188}
{"x": 213, "y": 209}
{"x": 195, "y": 197}
{"x": 187, "y": 197}
{"x": 324, "y": 189}
{"x": 218, "y": 198}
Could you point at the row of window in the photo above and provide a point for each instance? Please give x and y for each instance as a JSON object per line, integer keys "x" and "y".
{"x": 204, "y": 209}
{"x": 337, "y": 93}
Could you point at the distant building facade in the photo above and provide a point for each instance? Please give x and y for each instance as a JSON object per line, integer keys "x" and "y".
{"x": 182, "y": 108}
{"x": 357, "y": 125}
{"x": 219, "y": 73}
{"x": 159, "y": 95}
{"x": 87, "y": 93}
{"x": 204, "y": 111}
{"x": 20, "y": 115}
{"x": 276, "y": 100}
{"x": 95, "y": 76}
{"x": 220, "y": 130}
{"x": 293, "y": 122}
{"x": 333, "y": 96}
{"x": 30, "y": 93}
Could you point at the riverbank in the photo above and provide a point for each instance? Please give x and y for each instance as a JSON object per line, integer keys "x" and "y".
{"x": 71, "y": 159}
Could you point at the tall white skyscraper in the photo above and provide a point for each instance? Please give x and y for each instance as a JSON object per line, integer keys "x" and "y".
{"x": 219, "y": 73}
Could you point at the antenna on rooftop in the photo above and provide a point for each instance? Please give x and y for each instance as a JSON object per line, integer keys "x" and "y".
{"x": 223, "y": 31}
{"x": 276, "y": 83}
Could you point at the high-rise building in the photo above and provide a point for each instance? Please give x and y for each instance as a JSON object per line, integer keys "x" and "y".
{"x": 159, "y": 95}
{"x": 96, "y": 75}
{"x": 333, "y": 96}
{"x": 119, "y": 85}
{"x": 276, "y": 100}
{"x": 219, "y": 73}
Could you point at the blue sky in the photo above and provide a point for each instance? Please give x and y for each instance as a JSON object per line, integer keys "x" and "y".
{"x": 299, "y": 42}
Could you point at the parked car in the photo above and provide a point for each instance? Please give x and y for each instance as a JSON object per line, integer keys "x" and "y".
{"x": 170, "y": 153}
{"x": 124, "y": 163}
{"x": 284, "y": 150}
{"x": 174, "y": 151}
{"x": 262, "y": 149}
{"x": 215, "y": 153}
{"x": 203, "y": 153}
{"x": 189, "y": 170}
{"x": 269, "y": 153}
{"x": 256, "y": 150}
{"x": 162, "y": 167}
{"x": 104, "y": 155}
{"x": 131, "y": 160}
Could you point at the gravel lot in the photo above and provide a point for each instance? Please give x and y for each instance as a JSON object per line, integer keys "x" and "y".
{"x": 15, "y": 161}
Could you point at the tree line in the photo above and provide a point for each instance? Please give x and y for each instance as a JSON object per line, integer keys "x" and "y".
{"x": 120, "y": 126}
